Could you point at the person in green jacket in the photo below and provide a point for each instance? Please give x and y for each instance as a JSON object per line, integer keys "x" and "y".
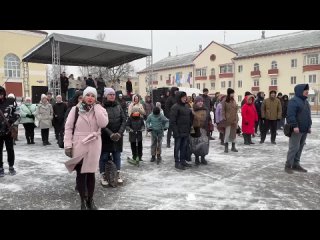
{"x": 27, "y": 116}
{"x": 156, "y": 123}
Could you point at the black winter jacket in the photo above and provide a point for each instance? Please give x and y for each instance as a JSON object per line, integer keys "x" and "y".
{"x": 135, "y": 126}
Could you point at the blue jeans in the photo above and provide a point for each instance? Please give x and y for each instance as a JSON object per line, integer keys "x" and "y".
{"x": 104, "y": 158}
{"x": 180, "y": 145}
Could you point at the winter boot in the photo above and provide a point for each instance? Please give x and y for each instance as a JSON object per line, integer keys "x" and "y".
{"x": 153, "y": 158}
{"x": 233, "y": 149}
{"x": 197, "y": 162}
{"x": 226, "y": 147}
{"x": 119, "y": 177}
{"x": 91, "y": 205}
{"x": 1, "y": 172}
{"x": 28, "y": 140}
{"x": 288, "y": 169}
{"x": 246, "y": 139}
{"x": 298, "y": 168}
{"x": 179, "y": 166}
{"x": 203, "y": 161}
{"x": 12, "y": 171}
{"x": 250, "y": 140}
{"x": 185, "y": 164}
{"x": 222, "y": 141}
{"x": 140, "y": 159}
{"x": 32, "y": 140}
{"x": 83, "y": 204}
{"x": 159, "y": 158}
{"x": 103, "y": 180}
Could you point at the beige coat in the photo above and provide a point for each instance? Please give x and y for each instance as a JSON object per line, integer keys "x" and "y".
{"x": 44, "y": 114}
{"x": 271, "y": 109}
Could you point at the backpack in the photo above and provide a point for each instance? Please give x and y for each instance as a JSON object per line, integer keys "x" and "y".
{"x": 61, "y": 135}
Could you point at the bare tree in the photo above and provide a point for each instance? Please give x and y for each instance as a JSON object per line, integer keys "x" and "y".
{"x": 110, "y": 75}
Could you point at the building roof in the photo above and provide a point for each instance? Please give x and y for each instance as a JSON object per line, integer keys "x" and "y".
{"x": 281, "y": 43}
{"x": 77, "y": 51}
{"x": 181, "y": 60}
{"x": 37, "y": 31}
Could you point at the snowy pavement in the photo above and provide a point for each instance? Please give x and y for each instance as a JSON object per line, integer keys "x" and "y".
{"x": 253, "y": 178}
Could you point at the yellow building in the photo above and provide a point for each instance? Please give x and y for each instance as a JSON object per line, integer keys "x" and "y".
{"x": 275, "y": 63}
{"x": 171, "y": 71}
{"x": 13, "y": 44}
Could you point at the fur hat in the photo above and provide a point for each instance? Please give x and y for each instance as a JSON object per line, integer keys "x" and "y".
{"x": 108, "y": 91}
{"x": 90, "y": 90}
{"x": 230, "y": 91}
{"x": 247, "y": 93}
{"x": 273, "y": 91}
{"x": 198, "y": 99}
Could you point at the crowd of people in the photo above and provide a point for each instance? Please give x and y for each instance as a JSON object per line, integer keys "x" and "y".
{"x": 90, "y": 126}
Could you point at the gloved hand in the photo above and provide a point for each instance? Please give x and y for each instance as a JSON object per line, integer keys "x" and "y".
{"x": 113, "y": 137}
{"x": 68, "y": 152}
{"x": 118, "y": 136}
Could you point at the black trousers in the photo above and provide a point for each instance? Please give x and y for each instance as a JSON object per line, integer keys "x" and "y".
{"x": 169, "y": 133}
{"x": 272, "y": 125}
{"x": 45, "y": 134}
{"x": 29, "y": 131}
{"x": 58, "y": 128}
{"x": 8, "y": 140}
{"x": 258, "y": 124}
{"x": 85, "y": 182}
{"x": 135, "y": 149}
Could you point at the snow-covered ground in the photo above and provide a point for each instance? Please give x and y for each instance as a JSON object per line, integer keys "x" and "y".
{"x": 253, "y": 178}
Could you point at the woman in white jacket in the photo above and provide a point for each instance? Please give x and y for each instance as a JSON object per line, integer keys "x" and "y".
{"x": 73, "y": 84}
{"x": 45, "y": 115}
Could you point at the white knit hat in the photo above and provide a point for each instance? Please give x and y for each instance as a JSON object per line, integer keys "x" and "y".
{"x": 90, "y": 90}
{"x": 43, "y": 96}
{"x": 108, "y": 91}
{"x": 11, "y": 95}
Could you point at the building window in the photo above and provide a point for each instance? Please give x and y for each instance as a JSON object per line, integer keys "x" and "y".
{"x": 274, "y": 65}
{"x": 198, "y": 85}
{"x": 274, "y": 82}
{"x": 312, "y": 59}
{"x": 293, "y": 63}
{"x": 239, "y": 98}
{"x": 240, "y": 84}
{"x": 201, "y": 72}
{"x": 294, "y": 80}
{"x": 229, "y": 84}
{"x": 240, "y": 68}
{"x": 213, "y": 72}
{"x": 226, "y": 68}
{"x": 256, "y": 67}
{"x": 170, "y": 77}
{"x": 203, "y": 85}
{"x": 312, "y": 78}
{"x": 11, "y": 66}
{"x": 160, "y": 77}
{"x": 256, "y": 83}
{"x": 213, "y": 85}
{"x": 190, "y": 74}
{"x": 223, "y": 84}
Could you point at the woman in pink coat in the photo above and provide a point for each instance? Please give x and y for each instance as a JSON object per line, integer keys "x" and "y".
{"x": 82, "y": 143}
{"x": 249, "y": 118}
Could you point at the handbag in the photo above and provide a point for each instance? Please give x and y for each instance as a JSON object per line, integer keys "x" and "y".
{"x": 287, "y": 130}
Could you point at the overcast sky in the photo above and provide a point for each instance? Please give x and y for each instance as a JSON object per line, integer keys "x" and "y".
{"x": 165, "y": 41}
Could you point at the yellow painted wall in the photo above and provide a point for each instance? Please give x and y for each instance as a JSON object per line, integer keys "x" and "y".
{"x": 19, "y": 42}
{"x": 283, "y": 78}
{"x": 165, "y": 76}
{"x": 223, "y": 56}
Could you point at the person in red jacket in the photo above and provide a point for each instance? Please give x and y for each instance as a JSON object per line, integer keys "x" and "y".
{"x": 249, "y": 118}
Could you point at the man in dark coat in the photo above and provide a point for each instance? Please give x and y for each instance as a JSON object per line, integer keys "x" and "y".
{"x": 299, "y": 117}
{"x": 169, "y": 103}
{"x": 181, "y": 118}
{"x": 59, "y": 110}
{"x": 207, "y": 102}
{"x": 129, "y": 87}
{"x": 64, "y": 83}
{"x": 258, "y": 103}
{"x": 112, "y": 135}
{"x": 9, "y": 112}
{"x": 90, "y": 82}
